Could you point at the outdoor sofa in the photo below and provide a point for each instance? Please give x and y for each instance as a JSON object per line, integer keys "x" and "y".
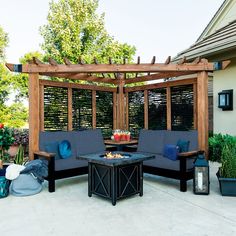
{"x": 82, "y": 142}
{"x": 91, "y": 141}
{"x": 156, "y": 141}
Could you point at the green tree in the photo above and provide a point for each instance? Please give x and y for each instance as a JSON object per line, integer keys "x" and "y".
{"x": 20, "y": 80}
{"x": 3, "y": 43}
{"x": 74, "y": 29}
{"x": 14, "y": 115}
{"x": 4, "y": 75}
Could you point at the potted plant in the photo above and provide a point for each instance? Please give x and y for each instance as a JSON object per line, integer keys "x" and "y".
{"x": 227, "y": 172}
{"x": 6, "y": 139}
{"x": 21, "y": 137}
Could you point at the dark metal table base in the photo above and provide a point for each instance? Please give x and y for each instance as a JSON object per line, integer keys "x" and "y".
{"x": 115, "y": 182}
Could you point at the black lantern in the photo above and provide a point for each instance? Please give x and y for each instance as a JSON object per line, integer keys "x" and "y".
{"x": 201, "y": 176}
{"x": 225, "y": 100}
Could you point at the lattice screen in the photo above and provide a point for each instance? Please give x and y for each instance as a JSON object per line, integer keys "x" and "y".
{"x": 182, "y": 107}
{"x": 157, "y": 109}
{"x": 104, "y": 112}
{"x": 55, "y": 108}
{"x": 81, "y": 109}
{"x": 136, "y": 112}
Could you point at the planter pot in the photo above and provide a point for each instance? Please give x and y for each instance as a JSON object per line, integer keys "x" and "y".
{"x": 13, "y": 150}
{"x": 227, "y": 185}
{"x": 4, "y": 183}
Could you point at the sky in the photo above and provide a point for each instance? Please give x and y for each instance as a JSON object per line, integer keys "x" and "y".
{"x": 158, "y": 28}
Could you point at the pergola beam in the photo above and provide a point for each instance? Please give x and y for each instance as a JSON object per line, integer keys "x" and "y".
{"x": 161, "y": 85}
{"x": 76, "y": 85}
{"x": 156, "y": 77}
{"x": 117, "y": 68}
{"x": 85, "y": 77}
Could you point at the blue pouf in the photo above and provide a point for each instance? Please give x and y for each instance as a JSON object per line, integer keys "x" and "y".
{"x": 4, "y": 183}
{"x": 4, "y": 187}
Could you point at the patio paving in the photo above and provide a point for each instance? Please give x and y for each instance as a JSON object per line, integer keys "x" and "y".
{"x": 163, "y": 210}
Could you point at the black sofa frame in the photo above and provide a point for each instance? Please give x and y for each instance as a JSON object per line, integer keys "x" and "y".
{"x": 183, "y": 175}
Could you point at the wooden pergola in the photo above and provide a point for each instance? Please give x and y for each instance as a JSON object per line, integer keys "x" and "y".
{"x": 99, "y": 78}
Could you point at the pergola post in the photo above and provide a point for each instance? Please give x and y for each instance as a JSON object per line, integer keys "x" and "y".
{"x": 145, "y": 109}
{"x": 168, "y": 108}
{"x": 70, "y": 125}
{"x": 121, "y": 103}
{"x": 202, "y": 110}
{"x": 34, "y": 107}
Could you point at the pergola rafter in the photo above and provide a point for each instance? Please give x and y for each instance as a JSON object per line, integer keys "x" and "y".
{"x": 199, "y": 69}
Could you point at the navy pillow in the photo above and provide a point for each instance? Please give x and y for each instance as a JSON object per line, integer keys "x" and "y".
{"x": 53, "y": 148}
{"x": 65, "y": 149}
{"x": 171, "y": 152}
{"x": 183, "y": 145}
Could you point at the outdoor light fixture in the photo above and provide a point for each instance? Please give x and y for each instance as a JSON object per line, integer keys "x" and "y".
{"x": 201, "y": 176}
{"x": 225, "y": 100}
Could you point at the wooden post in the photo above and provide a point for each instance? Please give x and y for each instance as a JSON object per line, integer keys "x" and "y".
{"x": 70, "y": 125}
{"x": 202, "y": 110}
{"x": 94, "y": 110}
{"x": 120, "y": 104}
{"x": 145, "y": 109}
{"x": 114, "y": 110}
{"x": 168, "y": 108}
{"x": 195, "y": 106}
{"x": 127, "y": 111}
{"x": 41, "y": 104}
{"x": 34, "y": 98}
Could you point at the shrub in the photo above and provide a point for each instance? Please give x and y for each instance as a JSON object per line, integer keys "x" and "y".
{"x": 21, "y": 137}
{"x": 228, "y": 161}
{"x": 6, "y": 140}
{"x": 216, "y": 145}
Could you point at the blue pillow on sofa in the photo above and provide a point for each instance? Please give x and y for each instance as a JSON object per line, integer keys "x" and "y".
{"x": 183, "y": 145}
{"x": 171, "y": 152}
{"x": 65, "y": 149}
{"x": 52, "y": 147}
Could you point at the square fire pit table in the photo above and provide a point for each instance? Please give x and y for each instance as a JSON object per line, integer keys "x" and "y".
{"x": 115, "y": 178}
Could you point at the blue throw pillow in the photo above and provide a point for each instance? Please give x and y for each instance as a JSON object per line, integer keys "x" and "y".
{"x": 53, "y": 148}
{"x": 171, "y": 152}
{"x": 65, "y": 149}
{"x": 183, "y": 145}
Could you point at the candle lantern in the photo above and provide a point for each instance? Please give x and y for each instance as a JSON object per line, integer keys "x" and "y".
{"x": 201, "y": 176}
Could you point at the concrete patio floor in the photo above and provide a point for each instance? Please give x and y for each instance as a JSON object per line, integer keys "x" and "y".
{"x": 163, "y": 210}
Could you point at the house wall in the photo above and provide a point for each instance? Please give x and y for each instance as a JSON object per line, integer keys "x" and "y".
{"x": 223, "y": 16}
{"x": 225, "y": 121}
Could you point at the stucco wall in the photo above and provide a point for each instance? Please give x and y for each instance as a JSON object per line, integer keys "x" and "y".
{"x": 225, "y": 121}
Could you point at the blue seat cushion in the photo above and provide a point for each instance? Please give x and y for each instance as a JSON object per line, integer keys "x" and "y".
{"x": 65, "y": 149}
{"x": 151, "y": 141}
{"x": 183, "y": 145}
{"x": 171, "y": 151}
{"x": 53, "y": 147}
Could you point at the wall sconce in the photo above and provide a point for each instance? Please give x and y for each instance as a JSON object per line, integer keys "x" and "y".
{"x": 225, "y": 100}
